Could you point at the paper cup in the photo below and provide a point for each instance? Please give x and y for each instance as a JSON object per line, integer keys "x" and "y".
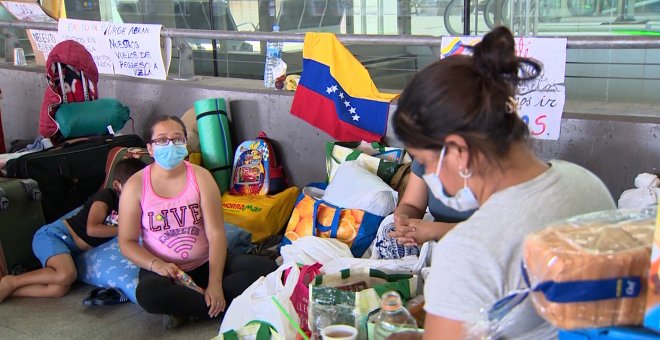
{"x": 19, "y": 57}
{"x": 339, "y": 332}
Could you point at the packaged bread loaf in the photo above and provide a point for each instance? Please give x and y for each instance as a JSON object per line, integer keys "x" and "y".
{"x": 591, "y": 270}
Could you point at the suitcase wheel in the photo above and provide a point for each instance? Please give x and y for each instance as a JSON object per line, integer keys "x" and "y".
{"x": 32, "y": 188}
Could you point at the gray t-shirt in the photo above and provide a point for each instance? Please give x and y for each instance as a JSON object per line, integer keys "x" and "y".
{"x": 479, "y": 261}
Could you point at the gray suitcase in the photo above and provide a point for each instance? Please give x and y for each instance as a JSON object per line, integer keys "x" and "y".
{"x": 20, "y": 217}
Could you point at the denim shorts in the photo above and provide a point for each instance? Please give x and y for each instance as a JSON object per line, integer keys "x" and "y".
{"x": 53, "y": 239}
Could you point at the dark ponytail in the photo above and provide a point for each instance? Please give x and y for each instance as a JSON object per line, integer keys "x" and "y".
{"x": 470, "y": 96}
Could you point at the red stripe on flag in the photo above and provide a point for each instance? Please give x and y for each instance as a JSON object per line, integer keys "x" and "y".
{"x": 321, "y": 112}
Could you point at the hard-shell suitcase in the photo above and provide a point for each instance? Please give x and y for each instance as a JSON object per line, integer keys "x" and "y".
{"x": 69, "y": 173}
{"x": 20, "y": 217}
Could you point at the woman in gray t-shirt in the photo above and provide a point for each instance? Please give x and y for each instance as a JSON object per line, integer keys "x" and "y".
{"x": 458, "y": 118}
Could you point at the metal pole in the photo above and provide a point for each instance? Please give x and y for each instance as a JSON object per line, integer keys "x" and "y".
{"x": 584, "y": 42}
{"x": 214, "y": 46}
{"x": 466, "y": 17}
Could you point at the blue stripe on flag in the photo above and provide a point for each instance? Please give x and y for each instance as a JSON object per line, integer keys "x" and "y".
{"x": 369, "y": 115}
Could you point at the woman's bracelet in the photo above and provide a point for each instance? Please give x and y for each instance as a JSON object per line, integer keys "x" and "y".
{"x": 152, "y": 263}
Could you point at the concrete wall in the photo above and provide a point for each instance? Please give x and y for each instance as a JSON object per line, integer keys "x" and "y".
{"x": 615, "y": 147}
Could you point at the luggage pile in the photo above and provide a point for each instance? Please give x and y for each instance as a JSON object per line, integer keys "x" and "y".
{"x": 66, "y": 163}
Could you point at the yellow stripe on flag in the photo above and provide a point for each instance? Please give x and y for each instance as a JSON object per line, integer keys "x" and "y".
{"x": 351, "y": 75}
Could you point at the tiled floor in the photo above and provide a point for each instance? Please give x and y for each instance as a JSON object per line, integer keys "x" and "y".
{"x": 67, "y": 318}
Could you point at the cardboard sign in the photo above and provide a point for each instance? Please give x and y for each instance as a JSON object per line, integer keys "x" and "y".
{"x": 540, "y": 101}
{"x": 43, "y": 42}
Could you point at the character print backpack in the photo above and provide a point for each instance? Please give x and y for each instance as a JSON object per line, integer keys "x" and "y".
{"x": 257, "y": 168}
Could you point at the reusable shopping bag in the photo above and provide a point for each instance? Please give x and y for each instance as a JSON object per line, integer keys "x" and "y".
{"x": 312, "y": 216}
{"x": 349, "y": 296}
{"x": 300, "y": 297}
{"x": 376, "y": 157}
{"x": 256, "y": 303}
{"x": 262, "y": 215}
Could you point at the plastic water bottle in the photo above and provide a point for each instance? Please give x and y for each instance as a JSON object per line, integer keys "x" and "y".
{"x": 394, "y": 321}
{"x": 271, "y": 8}
{"x": 273, "y": 57}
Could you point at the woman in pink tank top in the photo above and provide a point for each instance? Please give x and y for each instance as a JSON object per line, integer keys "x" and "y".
{"x": 175, "y": 207}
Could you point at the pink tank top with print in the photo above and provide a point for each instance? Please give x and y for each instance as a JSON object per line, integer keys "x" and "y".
{"x": 173, "y": 228}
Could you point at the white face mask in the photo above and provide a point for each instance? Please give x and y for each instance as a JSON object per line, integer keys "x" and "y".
{"x": 464, "y": 199}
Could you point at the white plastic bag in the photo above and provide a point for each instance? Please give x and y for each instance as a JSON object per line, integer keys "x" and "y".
{"x": 644, "y": 195}
{"x": 256, "y": 303}
{"x": 412, "y": 264}
{"x": 354, "y": 187}
{"x": 638, "y": 198}
{"x": 311, "y": 249}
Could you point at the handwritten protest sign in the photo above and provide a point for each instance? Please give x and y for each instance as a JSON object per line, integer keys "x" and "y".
{"x": 27, "y": 11}
{"x": 135, "y": 49}
{"x": 540, "y": 101}
{"x": 44, "y": 41}
{"x": 127, "y": 49}
{"x": 89, "y": 34}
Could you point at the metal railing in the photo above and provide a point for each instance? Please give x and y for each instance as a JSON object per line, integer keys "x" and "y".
{"x": 584, "y": 42}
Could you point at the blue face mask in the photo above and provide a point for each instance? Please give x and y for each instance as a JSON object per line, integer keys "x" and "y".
{"x": 170, "y": 155}
{"x": 464, "y": 200}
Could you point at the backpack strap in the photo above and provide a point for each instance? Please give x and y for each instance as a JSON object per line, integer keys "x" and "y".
{"x": 61, "y": 74}
{"x": 84, "y": 85}
{"x": 276, "y": 169}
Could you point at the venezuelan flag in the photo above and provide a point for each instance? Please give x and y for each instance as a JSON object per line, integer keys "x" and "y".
{"x": 336, "y": 93}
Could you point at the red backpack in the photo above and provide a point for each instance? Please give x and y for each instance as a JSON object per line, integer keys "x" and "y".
{"x": 72, "y": 77}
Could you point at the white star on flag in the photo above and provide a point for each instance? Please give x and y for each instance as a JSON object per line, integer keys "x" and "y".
{"x": 347, "y": 103}
{"x": 341, "y": 95}
{"x": 352, "y": 110}
{"x": 356, "y": 118}
{"x": 328, "y": 90}
{"x": 334, "y": 88}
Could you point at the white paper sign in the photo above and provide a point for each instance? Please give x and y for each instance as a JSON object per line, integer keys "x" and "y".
{"x": 45, "y": 40}
{"x": 136, "y": 50}
{"x": 540, "y": 101}
{"x": 89, "y": 34}
{"x": 27, "y": 11}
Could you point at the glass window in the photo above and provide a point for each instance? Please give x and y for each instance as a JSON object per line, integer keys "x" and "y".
{"x": 592, "y": 74}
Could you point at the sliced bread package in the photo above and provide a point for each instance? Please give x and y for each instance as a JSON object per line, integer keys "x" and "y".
{"x": 591, "y": 270}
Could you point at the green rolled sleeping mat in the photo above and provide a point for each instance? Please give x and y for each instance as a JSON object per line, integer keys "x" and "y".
{"x": 214, "y": 139}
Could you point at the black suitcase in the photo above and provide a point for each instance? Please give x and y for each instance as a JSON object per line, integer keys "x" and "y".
{"x": 20, "y": 217}
{"x": 69, "y": 173}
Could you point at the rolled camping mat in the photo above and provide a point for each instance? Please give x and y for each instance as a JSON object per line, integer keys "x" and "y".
{"x": 214, "y": 139}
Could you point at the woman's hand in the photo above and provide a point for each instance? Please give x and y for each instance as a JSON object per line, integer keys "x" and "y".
{"x": 215, "y": 299}
{"x": 163, "y": 268}
{"x": 401, "y": 230}
{"x": 420, "y": 231}
{"x": 415, "y": 232}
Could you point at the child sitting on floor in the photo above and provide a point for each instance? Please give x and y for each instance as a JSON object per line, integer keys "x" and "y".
{"x": 57, "y": 243}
